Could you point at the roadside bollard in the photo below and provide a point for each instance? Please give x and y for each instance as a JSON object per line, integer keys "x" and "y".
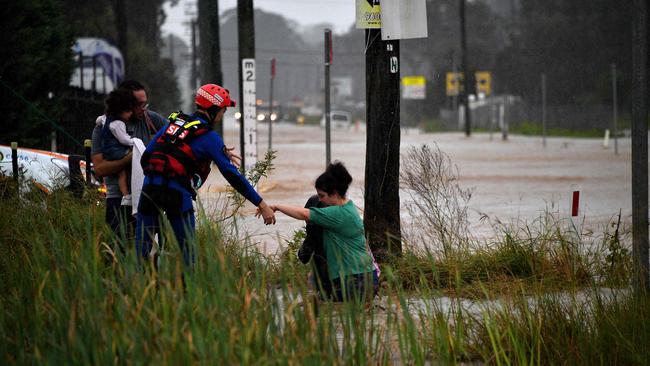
{"x": 14, "y": 164}
{"x": 575, "y": 210}
{"x": 14, "y": 159}
{"x": 87, "y": 144}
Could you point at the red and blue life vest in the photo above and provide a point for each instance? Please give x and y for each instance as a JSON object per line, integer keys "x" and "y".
{"x": 173, "y": 158}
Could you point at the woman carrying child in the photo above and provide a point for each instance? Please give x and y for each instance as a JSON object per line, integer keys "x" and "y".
{"x": 352, "y": 269}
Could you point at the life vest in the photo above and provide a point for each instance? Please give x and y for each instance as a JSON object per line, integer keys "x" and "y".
{"x": 173, "y": 158}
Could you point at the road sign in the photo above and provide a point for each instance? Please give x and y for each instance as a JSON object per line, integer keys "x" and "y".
{"x": 250, "y": 116}
{"x": 454, "y": 83}
{"x": 403, "y": 19}
{"x": 483, "y": 82}
{"x": 414, "y": 87}
{"x": 368, "y": 14}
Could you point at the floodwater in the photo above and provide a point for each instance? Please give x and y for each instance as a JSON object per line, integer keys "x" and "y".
{"x": 514, "y": 180}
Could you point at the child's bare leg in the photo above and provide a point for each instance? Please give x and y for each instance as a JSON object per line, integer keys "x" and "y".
{"x": 122, "y": 180}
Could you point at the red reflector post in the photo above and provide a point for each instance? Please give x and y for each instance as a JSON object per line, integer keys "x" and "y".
{"x": 575, "y": 201}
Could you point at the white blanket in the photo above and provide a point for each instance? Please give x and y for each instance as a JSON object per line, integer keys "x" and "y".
{"x": 137, "y": 175}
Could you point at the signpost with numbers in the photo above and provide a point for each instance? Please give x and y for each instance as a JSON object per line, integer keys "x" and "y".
{"x": 249, "y": 113}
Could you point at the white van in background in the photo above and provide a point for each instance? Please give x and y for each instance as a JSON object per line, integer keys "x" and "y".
{"x": 338, "y": 119}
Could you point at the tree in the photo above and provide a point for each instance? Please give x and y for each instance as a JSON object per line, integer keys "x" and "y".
{"x": 37, "y": 65}
{"x": 574, "y": 44}
{"x": 275, "y": 37}
{"x": 134, "y": 26}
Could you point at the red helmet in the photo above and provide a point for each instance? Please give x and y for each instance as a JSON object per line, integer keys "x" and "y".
{"x": 210, "y": 95}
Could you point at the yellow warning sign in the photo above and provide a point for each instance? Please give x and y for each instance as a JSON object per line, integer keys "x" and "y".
{"x": 368, "y": 14}
{"x": 454, "y": 83}
{"x": 413, "y": 80}
{"x": 483, "y": 82}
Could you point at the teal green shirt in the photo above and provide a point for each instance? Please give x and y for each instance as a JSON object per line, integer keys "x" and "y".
{"x": 343, "y": 238}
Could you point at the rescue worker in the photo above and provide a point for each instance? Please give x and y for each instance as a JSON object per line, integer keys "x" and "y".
{"x": 177, "y": 161}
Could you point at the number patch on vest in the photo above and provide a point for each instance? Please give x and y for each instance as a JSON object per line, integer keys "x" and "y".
{"x": 171, "y": 130}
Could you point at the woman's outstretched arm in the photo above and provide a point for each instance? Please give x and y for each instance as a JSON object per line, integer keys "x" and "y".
{"x": 296, "y": 212}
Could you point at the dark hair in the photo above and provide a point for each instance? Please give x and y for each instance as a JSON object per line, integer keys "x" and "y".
{"x": 335, "y": 179}
{"x": 132, "y": 85}
{"x": 118, "y": 101}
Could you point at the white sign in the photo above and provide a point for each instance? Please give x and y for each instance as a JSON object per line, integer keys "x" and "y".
{"x": 249, "y": 115}
{"x": 394, "y": 65}
{"x": 342, "y": 86}
{"x": 403, "y": 19}
{"x": 414, "y": 87}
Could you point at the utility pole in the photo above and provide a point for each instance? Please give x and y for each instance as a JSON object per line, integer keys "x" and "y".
{"x": 122, "y": 27}
{"x": 544, "y": 110}
{"x": 171, "y": 48}
{"x": 194, "y": 72}
{"x": 614, "y": 109}
{"x": 81, "y": 70}
{"x": 640, "y": 281}
{"x": 210, "y": 45}
{"x": 246, "y": 33}
{"x": 381, "y": 196}
{"x": 466, "y": 76}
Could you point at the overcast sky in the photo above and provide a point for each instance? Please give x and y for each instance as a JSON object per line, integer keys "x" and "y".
{"x": 339, "y": 13}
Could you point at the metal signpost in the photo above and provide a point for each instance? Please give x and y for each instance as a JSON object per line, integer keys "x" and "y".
{"x": 271, "y": 105}
{"x": 328, "y": 62}
{"x": 249, "y": 116}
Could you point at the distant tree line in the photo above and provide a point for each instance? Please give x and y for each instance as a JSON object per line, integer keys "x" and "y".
{"x": 573, "y": 42}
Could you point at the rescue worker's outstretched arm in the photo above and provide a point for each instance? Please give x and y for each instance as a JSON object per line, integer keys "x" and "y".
{"x": 232, "y": 155}
{"x": 239, "y": 182}
{"x": 299, "y": 213}
{"x": 266, "y": 212}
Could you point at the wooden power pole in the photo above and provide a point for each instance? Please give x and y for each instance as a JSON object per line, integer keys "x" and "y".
{"x": 467, "y": 78}
{"x": 640, "y": 280}
{"x": 381, "y": 196}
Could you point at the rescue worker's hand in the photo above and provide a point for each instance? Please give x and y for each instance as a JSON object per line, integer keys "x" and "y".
{"x": 266, "y": 212}
{"x": 234, "y": 158}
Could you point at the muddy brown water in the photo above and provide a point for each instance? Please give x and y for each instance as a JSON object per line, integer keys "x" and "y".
{"x": 512, "y": 181}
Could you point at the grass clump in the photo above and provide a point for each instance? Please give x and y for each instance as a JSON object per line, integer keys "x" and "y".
{"x": 548, "y": 252}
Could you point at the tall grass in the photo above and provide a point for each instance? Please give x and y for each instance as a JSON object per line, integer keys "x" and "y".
{"x": 68, "y": 297}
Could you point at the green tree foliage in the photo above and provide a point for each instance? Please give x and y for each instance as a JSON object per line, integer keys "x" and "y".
{"x": 37, "y": 61}
{"x": 574, "y": 44}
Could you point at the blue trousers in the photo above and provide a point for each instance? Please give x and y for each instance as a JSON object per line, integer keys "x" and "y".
{"x": 183, "y": 226}
{"x": 120, "y": 220}
{"x": 361, "y": 286}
